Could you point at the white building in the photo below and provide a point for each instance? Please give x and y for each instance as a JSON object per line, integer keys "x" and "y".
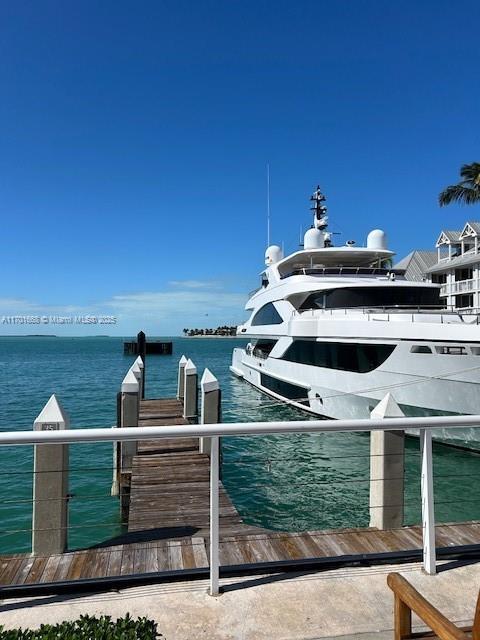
{"x": 457, "y": 267}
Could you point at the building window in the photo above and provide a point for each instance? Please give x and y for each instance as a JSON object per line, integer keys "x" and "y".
{"x": 465, "y": 301}
{"x": 267, "y": 315}
{"x": 439, "y": 278}
{"x": 345, "y": 356}
{"x": 463, "y": 274}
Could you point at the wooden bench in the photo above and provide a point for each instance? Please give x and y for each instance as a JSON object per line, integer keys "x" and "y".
{"x": 408, "y": 599}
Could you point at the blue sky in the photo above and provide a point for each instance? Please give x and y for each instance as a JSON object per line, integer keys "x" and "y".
{"x": 134, "y": 139}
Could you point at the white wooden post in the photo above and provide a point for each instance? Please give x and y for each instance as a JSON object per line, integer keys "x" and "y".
{"x": 139, "y": 363}
{"x": 129, "y": 416}
{"x": 387, "y": 457}
{"x": 129, "y": 404}
{"x": 181, "y": 377}
{"x": 428, "y": 504}
{"x": 50, "y": 485}
{"x": 210, "y": 405}
{"x": 214, "y": 516}
{"x": 190, "y": 400}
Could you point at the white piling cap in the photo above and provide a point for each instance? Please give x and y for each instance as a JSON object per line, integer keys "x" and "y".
{"x": 209, "y": 382}
{"x": 190, "y": 368}
{"x": 139, "y": 361}
{"x": 137, "y": 372}
{"x": 183, "y": 361}
{"x": 130, "y": 383}
{"x": 51, "y": 417}
{"x": 387, "y": 408}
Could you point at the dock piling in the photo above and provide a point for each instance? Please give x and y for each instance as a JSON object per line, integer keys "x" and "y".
{"x": 142, "y": 352}
{"x": 181, "y": 377}
{"x": 210, "y": 405}
{"x": 50, "y": 485}
{"x": 387, "y": 455}
{"x": 129, "y": 413}
{"x": 190, "y": 400}
{"x": 139, "y": 362}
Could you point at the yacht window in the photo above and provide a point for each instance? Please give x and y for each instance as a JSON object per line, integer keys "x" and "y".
{"x": 451, "y": 351}
{"x": 262, "y": 348}
{"x": 267, "y": 315}
{"x": 285, "y": 389}
{"x": 345, "y": 356}
{"x": 475, "y": 351}
{"x": 393, "y": 296}
{"x": 420, "y": 348}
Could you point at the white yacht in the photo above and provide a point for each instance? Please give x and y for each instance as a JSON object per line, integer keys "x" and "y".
{"x": 333, "y": 329}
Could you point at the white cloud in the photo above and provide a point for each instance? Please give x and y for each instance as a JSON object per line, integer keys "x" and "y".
{"x": 195, "y": 284}
{"x": 167, "y": 312}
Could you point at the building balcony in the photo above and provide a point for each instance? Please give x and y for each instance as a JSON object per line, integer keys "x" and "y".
{"x": 460, "y": 286}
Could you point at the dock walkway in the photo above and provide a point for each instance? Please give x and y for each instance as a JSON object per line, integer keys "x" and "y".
{"x": 168, "y": 525}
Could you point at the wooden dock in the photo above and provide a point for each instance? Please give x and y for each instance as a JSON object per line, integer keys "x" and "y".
{"x": 168, "y": 525}
{"x": 170, "y": 485}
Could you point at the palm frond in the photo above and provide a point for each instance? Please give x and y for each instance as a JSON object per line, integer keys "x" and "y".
{"x": 460, "y": 194}
{"x": 471, "y": 173}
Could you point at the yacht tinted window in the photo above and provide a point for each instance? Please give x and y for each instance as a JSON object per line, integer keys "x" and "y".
{"x": 267, "y": 315}
{"x": 360, "y": 358}
{"x": 285, "y": 389}
{"x": 420, "y": 348}
{"x": 374, "y": 297}
{"x": 262, "y": 348}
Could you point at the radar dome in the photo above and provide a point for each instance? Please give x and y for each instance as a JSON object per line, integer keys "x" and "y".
{"x": 377, "y": 239}
{"x": 273, "y": 254}
{"x": 313, "y": 239}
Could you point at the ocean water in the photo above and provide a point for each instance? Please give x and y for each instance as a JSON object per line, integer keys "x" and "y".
{"x": 290, "y": 482}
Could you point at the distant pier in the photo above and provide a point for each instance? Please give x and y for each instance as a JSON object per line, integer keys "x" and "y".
{"x": 142, "y": 347}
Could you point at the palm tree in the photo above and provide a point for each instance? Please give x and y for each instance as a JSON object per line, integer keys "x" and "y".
{"x": 467, "y": 191}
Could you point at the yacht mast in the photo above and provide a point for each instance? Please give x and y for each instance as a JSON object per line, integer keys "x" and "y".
{"x": 320, "y": 218}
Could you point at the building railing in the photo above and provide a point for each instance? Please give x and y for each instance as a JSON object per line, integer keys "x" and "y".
{"x": 427, "y": 427}
{"x": 460, "y": 286}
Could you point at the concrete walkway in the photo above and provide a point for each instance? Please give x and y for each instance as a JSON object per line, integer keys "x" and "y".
{"x": 348, "y": 603}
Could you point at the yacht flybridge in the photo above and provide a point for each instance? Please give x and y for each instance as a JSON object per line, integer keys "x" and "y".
{"x": 332, "y": 330}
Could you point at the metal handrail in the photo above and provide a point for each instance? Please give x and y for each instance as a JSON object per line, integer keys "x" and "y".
{"x": 395, "y": 309}
{"x": 341, "y": 271}
{"x": 214, "y": 431}
{"x": 125, "y": 434}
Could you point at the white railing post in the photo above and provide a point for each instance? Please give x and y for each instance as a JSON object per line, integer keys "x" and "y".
{"x": 214, "y": 515}
{"x": 428, "y": 505}
{"x": 210, "y": 405}
{"x": 190, "y": 400}
{"x": 387, "y": 455}
{"x": 181, "y": 377}
{"x": 50, "y": 484}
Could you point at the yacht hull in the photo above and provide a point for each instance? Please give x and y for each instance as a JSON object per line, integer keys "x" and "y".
{"x": 421, "y": 384}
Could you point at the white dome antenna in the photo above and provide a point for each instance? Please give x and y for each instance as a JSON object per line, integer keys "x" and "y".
{"x": 377, "y": 239}
{"x": 273, "y": 254}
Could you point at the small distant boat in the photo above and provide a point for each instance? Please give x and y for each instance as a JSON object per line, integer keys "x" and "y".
{"x": 333, "y": 329}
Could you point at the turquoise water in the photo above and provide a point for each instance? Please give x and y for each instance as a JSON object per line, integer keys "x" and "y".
{"x": 293, "y": 482}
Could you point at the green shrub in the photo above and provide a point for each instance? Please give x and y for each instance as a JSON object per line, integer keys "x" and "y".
{"x": 89, "y": 628}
